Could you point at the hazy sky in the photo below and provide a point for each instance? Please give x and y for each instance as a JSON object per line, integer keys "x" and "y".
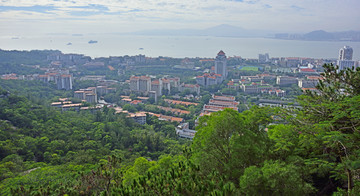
{"x": 20, "y": 17}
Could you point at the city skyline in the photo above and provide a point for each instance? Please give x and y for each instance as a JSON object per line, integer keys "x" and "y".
{"x": 18, "y": 17}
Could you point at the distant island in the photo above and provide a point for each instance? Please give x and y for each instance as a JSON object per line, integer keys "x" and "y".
{"x": 92, "y": 42}
{"x": 321, "y": 35}
{"x": 225, "y": 30}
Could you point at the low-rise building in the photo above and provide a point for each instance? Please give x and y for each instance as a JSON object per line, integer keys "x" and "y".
{"x": 233, "y": 85}
{"x": 183, "y": 131}
{"x": 307, "y": 71}
{"x": 208, "y": 79}
{"x": 176, "y": 102}
{"x": 218, "y": 103}
{"x": 139, "y": 117}
{"x": 75, "y": 107}
{"x": 9, "y": 77}
{"x": 167, "y": 118}
{"x": 135, "y": 102}
{"x": 191, "y": 87}
{"x": 174, "y": 110}
{"x": 307, "y": 83}
{"x": 286, "y": 81}
{"x": 249, "y": 88}
{"x": 89, "y": 94}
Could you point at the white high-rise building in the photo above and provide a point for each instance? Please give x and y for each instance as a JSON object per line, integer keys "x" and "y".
{"x": 345, "y": 53}
{"x": 220, "y": 64}
{"x": 344, "y": 64}
{"x": 345, "y": 58}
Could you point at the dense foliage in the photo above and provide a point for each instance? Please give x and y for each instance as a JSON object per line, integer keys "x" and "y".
{"x": 35, "y": 136}
{"x": 21, "y": 62}
{"x": 314, "y": 150}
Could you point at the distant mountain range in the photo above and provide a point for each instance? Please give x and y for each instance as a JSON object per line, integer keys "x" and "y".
{"x": 321, "y": 35}
{"x": 225, "y": 30}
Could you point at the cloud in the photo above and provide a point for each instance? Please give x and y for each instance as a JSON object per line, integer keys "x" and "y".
{"x": 281, "y": 15}
{"x": 92, "y": 7}
{"x": 297, "y": 8}
{"x": 89, "y": 10}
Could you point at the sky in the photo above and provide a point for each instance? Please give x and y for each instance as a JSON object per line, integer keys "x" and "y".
{"x": 37, "y": 17}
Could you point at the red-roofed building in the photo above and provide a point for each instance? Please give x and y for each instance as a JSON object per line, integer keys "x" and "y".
{"x": 167, "y": 118}
{"x": 135, "y": 102}
{"x": 223, "y": 98}
{"x": 314, "y": 78}
{"x": 191, "y": 87}
{"x": 307, "y": 70}
{"x": 218, "y": 103}
{"x": 221, "y": 64}
{"x": 208, "y": 79}
{"x": 176, "y": 102}
{"x": 309, "y": 89}
{"x": 9, "y": 77}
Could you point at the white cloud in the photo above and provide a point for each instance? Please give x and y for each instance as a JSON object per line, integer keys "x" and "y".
{"x": 280, "y": 15}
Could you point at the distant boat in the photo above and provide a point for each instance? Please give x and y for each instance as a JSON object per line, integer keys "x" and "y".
{"x": 92, "y": 42}
{"x": 141, "y": 48}
{"x": 69, "y": 44}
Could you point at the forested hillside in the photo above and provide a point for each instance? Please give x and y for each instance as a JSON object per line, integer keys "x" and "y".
{"x": 20, "y": 62}
{"x": 314, "y": 150}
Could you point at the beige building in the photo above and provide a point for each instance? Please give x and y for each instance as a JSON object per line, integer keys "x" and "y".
{"x": 140, "y": 84}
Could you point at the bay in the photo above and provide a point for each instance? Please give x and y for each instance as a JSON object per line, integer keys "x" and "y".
{"x": 177, "y": 46}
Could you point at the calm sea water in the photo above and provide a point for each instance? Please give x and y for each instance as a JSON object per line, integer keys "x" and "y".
{"x": 178, "y": 46}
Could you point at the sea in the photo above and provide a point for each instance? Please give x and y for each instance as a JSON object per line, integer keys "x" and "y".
{"x": 177, "y": 46}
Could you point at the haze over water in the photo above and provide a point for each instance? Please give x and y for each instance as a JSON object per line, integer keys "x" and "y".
{"x": 178, "y": 46}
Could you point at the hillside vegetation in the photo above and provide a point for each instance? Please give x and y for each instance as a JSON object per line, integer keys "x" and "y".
{"x": 314, "y": 150}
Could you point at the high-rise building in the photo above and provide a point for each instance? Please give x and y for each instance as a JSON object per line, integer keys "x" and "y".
{"x": 344, "y": 64}
{"x": 264, "y": 58}
{"x": 64, "y": 82}
{"x": 345, "y": 58}
{"x": 220, "y": 64}
{"x": 140, "y": 83}
{"x": 156, "y": 85}
{"x": 144, "y": 84}
{"x": 346, "y": 53}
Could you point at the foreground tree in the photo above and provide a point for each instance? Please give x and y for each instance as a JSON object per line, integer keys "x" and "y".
{"x": 228, "y": 142}
{"x": 274, "y": 178}
{"x": 325, "y": 133}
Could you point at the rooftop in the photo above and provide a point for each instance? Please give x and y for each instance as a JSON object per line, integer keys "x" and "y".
{"x": 307, "y": 70}
{"x": 221, "y": 53}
